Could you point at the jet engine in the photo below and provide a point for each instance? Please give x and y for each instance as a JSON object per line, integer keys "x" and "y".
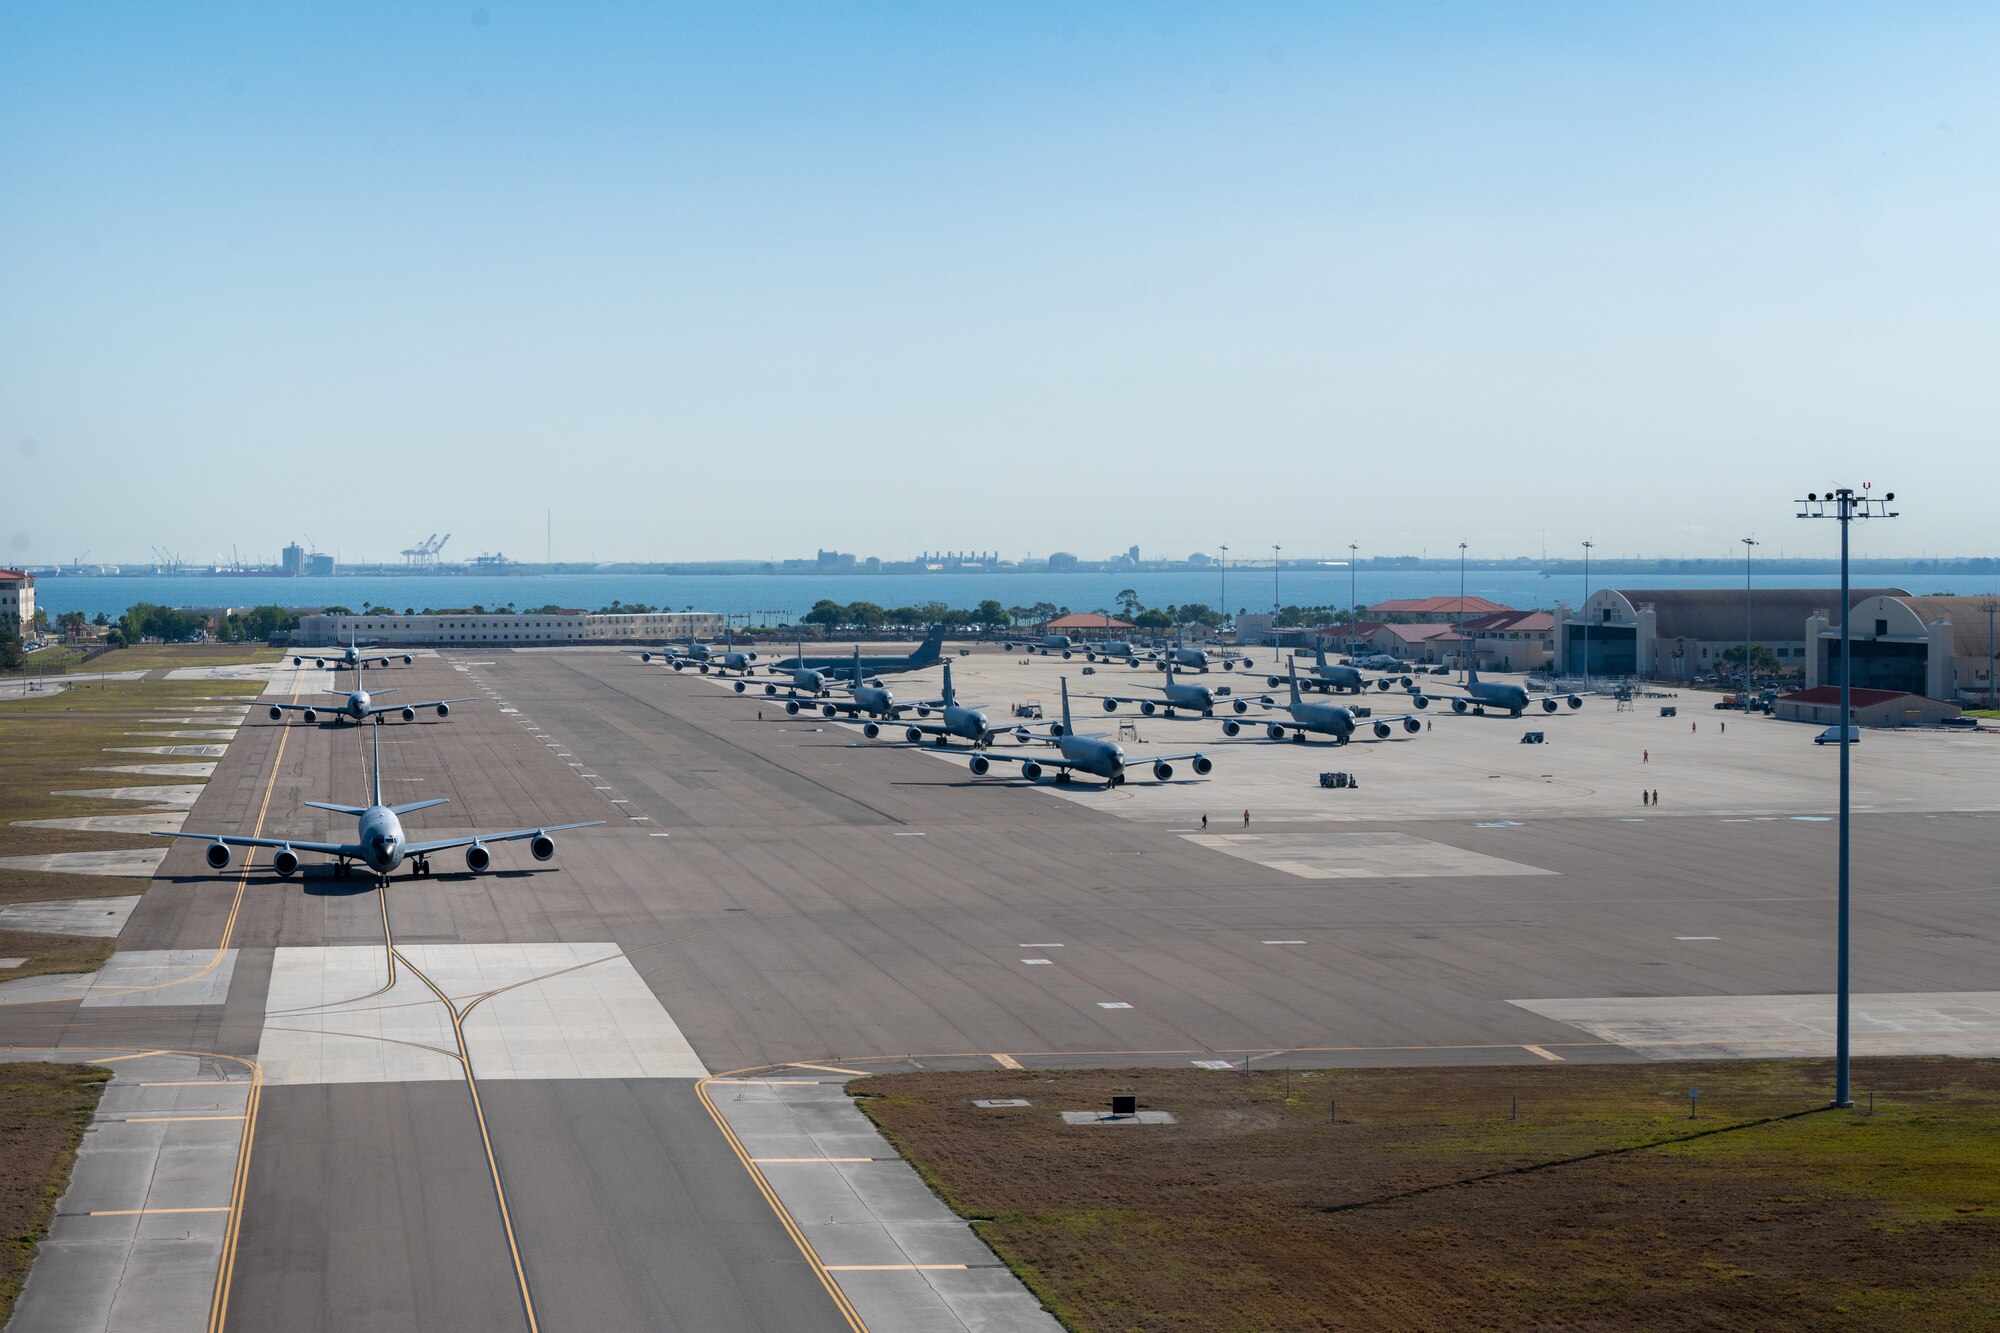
{"x": 409, "y": 714}
{"x": 542, "y": 847}
{"x": 1202, "y": 765}
{"x": 1057, "y": 729}
{"x": 217, "y": 854}
{"x": 1031, "y": 770}
{"x": 828, "y": 710}
{"x": 1420, "y": 701}
{"x": 1382, "y": 683}
{"x": 311, "y": 715}
{"x": 792, "y": 707}
{"x": 678, "y": 666}
{"x": 1412, "y": 726}
{"x": 870, "y": 730}
{"x": 704, "y": 668}
{"x": 1230, "y": 728}
{"x": 912, "y": 735}
{"x": 1243, "y": 705}
{"x": 1409, "y": 684}
{"x": 1146, "y": 708}
{"x": 741, "y": 686}
{"x": 444, "y": 710}
{"x": 645, "y": 657}
{"x": 1162, "y": 771}
{"x": 277, "y": 714}
{"x": 286, "y": 863}
{"x": 1381, "y": 731}
{"x": 1275, "y": 732}
{"x": 320, "y": 663}
{"x": 407, "y": 659}
{"x": 1458, "y": 705}
{"x": 298, "y": 661}
{"x": 771, "y": 689}
{"x": 923, "y": 711}
{"x": 1575, "y": 701}
{"x": 477, "y": 859}
{"x": 1110, "y": 705}
{"x": 980, "y": 765}
{"x": 1066, "y": 654}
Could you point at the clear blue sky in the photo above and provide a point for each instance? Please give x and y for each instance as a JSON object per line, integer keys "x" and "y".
{"x": 750, "y": 279}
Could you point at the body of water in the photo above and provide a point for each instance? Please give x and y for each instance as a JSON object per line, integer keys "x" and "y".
{"x": 778, "y": 598}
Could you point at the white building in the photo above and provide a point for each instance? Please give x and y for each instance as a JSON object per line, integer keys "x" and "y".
{"x": 17, "y": 598}
{"x": 525, "y": 630}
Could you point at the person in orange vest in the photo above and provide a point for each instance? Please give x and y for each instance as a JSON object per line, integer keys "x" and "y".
{"x": 1246, "y": 819}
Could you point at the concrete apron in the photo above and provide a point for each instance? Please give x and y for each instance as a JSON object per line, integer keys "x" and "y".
{"x": 907, "y": 1263}
{"x": 137, "y": 1237}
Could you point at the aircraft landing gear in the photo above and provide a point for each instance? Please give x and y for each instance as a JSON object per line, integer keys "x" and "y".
{"x": 1064, "y": 776}
{"x": 420, "y": 867}
{"x": 341, "y": 869}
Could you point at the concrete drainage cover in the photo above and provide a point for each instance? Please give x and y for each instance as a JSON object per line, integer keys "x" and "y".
{"x": 1106, "y": 1118}
{"x": 994, "y": 1103}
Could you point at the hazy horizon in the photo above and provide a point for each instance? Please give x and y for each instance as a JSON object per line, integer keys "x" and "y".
{"x": 886, "y": 278}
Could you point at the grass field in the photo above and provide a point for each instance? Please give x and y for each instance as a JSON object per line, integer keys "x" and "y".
{"x": 1427, "y": 1207}
{"x": 46, "y": 740}
{"x": 44, "y": 1109}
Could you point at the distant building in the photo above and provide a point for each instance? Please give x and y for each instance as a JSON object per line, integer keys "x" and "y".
{"x": 293, "y": 561}
{"x": 17, "y": 599}
{"x": 1512, "y": 640}
{"x": 1680, "y": 633}
{"x": 529, "y": 630}
{"x": 1431, "y": 610}
{"x": 1872, "y": 708}
{"x": 319, "y": 566}
{"x": 1084, "y": 625}
{"x": 1062, "y": 560}
{"x": 834, "y": 560}
{"x": 1942, "y": 646}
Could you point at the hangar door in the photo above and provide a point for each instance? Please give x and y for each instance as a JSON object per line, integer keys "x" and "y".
{"x": 1614, "y": 651}
{"x": 1879, "y": 664}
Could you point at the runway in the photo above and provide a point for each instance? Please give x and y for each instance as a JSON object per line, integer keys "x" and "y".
{"x": 773, "y": 892}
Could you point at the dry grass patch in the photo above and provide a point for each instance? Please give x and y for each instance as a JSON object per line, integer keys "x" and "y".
{"x": 44, "y": 1109}
{"x": 1426, "y": 1207}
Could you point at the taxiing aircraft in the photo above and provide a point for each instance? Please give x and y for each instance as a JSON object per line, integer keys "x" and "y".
{"x": 1196, "y": 659}
{"x": 1481, "y": 695}
{"x": 380, "y": 844}
{"x": 358, "y": 705}
{"x": 1050, "y": 643}
{"x": 352, "y": 654}
{"x": 1112, "y": 650}
{"x": 1319, "y": 718}
{"x": 1087, "y": 754}
{"x": 1173, "y": 695}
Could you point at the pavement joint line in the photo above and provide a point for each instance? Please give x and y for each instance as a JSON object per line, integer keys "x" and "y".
{"x": 143, "y": 1212}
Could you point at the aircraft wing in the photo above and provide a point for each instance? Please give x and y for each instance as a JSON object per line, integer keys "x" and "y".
{"x": 317, "y": 708}
{"x": 374, "y": 709}
{"x": 231, "y": 840}
{"x": 512, "y": 835}
{"x": 1164, "y": 758}
{"x": 1026, "y": 759}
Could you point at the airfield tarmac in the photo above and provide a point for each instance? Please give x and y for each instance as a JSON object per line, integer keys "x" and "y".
{"x": 777, "y": 895}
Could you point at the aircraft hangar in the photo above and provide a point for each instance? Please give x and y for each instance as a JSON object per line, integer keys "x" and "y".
{"x": 1684, "y": 632}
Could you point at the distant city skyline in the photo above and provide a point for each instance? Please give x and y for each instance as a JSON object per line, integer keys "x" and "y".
{"x": 700, "y": 279}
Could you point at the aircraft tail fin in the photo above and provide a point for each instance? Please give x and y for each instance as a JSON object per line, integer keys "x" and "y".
{"x": 408, "y": 806}
{"x": 338, "y": 809}
{"x": 930, "y": 650}
{"x": 376, "y": 769}
{"x": 1069, "y": 728}
{"x": 1295, "y": 684}
{"x": 949, "y": 698}
{"x": 857, "y": 666}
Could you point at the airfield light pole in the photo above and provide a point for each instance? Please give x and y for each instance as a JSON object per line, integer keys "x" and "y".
{"x": 1844, "y": 506}
{"x": 1225, "y": 585}
{"x": 1463, "y": 657}
{"x": 1353, "y": 600}
{"x": 1749, "y": 544}
{"x": 1585, "y": 608}
{"x": 1275, "y": 548}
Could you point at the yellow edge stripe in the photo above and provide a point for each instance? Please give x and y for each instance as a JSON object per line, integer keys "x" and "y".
{"x": 846, "y": 1308}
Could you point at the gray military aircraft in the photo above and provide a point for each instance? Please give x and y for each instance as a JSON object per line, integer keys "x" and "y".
{"x": 1196, "y": 659}
{"x": 927, "y": 654}
{"x": 352, "y": 654}
{"x": 955, "y": 721}
{"x": 1334, "y": 678}
{"x": 380, "y": 844}
{"x": 1382, "y": 662}
{"x": 1112, "y": 650}
{"x": 809, "y": 681}
{"x": 866, "y": 697}
{"x": 1087, "y": 754}
{"x": 1173, "y": 695}
{"x": 694, "y": 653}
{"x": 358, "y": 705}
{"x": 1050, "y": 643}
{"x": 1319, "y": 718}
{"x": 1481, "y": 695}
